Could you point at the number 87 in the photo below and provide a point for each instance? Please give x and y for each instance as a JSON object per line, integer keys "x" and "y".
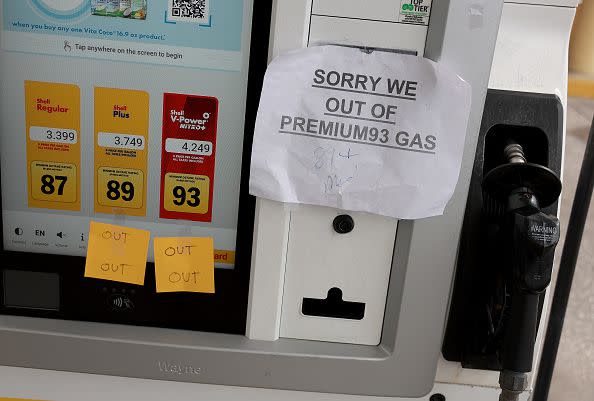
{"x": 47, "y": 184}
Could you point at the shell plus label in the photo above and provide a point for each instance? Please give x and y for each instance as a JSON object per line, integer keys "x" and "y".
{"x": 121, "y": 151}
{"x": 52, "y": 114}
{"x": 188, "y": 156}
{"x": 415, "y": 11}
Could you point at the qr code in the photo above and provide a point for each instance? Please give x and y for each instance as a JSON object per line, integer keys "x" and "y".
{"x": 189, "y": 10}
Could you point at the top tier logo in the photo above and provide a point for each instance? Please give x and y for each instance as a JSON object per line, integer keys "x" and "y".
{"x": 415, "y": 12}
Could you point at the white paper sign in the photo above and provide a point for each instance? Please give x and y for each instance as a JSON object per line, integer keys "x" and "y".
{"x": 380, "y": 132}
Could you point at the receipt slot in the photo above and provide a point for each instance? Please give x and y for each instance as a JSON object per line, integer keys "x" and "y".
{"x": 304, "y": 296}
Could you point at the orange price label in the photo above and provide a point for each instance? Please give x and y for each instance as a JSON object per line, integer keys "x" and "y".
{"x": 121, "y": 151}
{"x": 52, "y": 114}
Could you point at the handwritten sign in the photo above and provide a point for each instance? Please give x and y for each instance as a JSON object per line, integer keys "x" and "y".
{"x": 117, "y": 253}
{"x": 377, "y": 132}
{"x": 184, "y": 264}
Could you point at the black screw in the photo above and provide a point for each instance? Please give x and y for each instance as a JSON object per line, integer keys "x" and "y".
{"x": 437, "y": 397}
{"x": 343, "y": 224}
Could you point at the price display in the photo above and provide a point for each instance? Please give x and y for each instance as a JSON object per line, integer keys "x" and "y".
{"x": 56, "y": 135}
{"x": 188, "y": 147}
{"x": 120, "y": 141}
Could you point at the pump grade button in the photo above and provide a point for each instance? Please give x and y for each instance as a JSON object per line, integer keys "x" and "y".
{"x": 187, "y": 193}
{"x": 120, "y": 187}
{"x": 53, "y": 182}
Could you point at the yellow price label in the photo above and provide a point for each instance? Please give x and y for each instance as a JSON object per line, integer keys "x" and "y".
{"x": 121, "y": 150}
{"x": 53, "y": 182}
{"x": 186, "y": 193}
{"x": 120, "y": 187}
{"x": 52, "y": 121}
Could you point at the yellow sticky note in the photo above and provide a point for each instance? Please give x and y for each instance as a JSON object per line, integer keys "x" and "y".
{"x": 117, "y": 253}
{"x": 184, "y": 264}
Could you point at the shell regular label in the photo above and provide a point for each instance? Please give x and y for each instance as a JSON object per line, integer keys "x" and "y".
{"x": 52, "y": 116}
{"x": 121, "y": 147}
{"x": 188, "y": 156}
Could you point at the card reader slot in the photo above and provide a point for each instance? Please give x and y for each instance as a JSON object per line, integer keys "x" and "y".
{"x": 333, "y": 306}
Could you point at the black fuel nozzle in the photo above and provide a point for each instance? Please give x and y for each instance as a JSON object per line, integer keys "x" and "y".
{"x": 530, "y": 240}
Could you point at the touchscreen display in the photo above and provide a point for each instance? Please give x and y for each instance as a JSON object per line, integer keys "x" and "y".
{"x": 124, "y": 112}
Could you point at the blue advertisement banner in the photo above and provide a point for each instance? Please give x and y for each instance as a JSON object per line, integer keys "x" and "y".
{"x": 170, "y": 29}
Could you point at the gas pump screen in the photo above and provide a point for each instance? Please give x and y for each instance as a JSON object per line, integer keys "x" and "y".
{"x": 130, "y": 113}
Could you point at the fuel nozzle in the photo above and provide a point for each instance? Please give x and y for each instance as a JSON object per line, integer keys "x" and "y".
{"x": 530, "y": 237}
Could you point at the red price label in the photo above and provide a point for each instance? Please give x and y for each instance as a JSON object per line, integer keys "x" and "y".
{"x": 188, "y": 156}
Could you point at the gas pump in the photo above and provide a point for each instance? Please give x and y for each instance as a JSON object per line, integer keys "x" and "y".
{"x": 309, "y": 301}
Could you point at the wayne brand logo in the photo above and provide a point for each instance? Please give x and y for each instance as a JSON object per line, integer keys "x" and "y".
{"x": 197, "y": 124}
{"x": 177, "y": 368}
